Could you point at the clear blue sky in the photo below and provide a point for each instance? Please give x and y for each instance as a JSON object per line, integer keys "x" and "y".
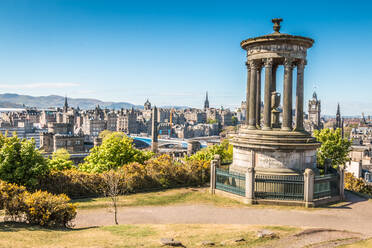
{"x": 173, "y": 51}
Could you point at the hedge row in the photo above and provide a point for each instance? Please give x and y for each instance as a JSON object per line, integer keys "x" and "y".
{"x": 41, "y": 208}
{"x": 357, "y": 184}
{"x": 158, "y": 172}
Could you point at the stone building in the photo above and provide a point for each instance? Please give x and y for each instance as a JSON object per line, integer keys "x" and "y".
{"x": 127, "y": 121}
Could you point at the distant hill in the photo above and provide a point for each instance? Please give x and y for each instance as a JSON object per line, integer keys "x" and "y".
{"x": 9, "y": 100}
{"x": 15, "y": 100}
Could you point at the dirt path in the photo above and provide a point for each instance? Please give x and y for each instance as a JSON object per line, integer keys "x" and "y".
{"x": 354, "y": 215}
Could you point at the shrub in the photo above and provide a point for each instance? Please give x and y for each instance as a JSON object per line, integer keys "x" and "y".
{"x": 74, "y": 183}
{"x": 357, "y": 184}
{"x": 46, "y": 209}
{"x": 20, "y": 162}
{"x": 40, "y": 208}
{"x": 225, "y": 150}
{"x": 12, "y": 200}
{"x": 157, "y": 172}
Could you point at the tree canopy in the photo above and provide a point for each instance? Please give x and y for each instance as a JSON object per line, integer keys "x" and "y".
{"x": 116, "y": 150}
{"x": 60, "y": 160}
{"x": 20, "y": 162}
{"x": 333, "y": 147}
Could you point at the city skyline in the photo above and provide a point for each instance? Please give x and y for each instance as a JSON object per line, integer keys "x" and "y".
{"x": 172, "y": 53}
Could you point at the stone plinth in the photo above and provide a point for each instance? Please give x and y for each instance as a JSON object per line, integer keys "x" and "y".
{"x": 274, "y": 152}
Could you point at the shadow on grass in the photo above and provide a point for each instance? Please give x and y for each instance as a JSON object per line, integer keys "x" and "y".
{"x": 11, "y": 226}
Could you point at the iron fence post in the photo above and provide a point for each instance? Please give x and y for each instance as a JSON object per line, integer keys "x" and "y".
{"x": 308, "y": 187}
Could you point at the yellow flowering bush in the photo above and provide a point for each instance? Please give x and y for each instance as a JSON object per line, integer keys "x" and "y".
{"x": 357, "y": 184}
{"x": 12, "y": 200}
{"x": 46, "y": 209}
{"x": 40, "y": 207}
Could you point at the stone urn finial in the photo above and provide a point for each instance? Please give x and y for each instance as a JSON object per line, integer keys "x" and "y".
{"x": 276, "y": 22}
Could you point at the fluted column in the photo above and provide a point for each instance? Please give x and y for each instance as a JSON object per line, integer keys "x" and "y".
{"x": 247, "y": 96}
{"x": 267, "y": 97}
{"x": 252, "y": 97}
{"x": 300, "y": 96}
{"x": 258, "y": 97}
{"x": 287, "y": 95}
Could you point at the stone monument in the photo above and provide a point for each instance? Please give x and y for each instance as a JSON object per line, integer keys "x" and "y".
{"x": 271, "y": 147}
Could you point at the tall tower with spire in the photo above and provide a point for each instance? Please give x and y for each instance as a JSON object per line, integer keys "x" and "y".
{"x": 338, "y": 117}
{"x": 206, "y": 102}
{"x": 65, "y": 107}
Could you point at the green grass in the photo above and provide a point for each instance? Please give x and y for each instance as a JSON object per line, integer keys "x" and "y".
{"x": 21, "y": 235}
{"x": 173, "y": 197}
{"x": 161, "y": 198}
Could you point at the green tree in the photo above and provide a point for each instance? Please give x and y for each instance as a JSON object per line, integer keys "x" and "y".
{"x": 225, "y": 150}
{"x": 20, "y": 162}
{"x": 60, "y": 160}
{"x": 116, "y": 150}
{"x": 333, "y": 147}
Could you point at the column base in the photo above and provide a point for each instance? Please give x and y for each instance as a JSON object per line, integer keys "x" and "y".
{"x": 267, "y": 128}
{"x": 251, "y": 127}
{"x": 286, "y": 129}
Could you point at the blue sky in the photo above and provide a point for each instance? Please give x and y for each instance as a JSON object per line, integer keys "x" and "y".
{"x": 173, "y": 51}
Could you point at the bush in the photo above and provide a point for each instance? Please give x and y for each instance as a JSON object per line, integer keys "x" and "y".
{"x": 46, "y": 209}
{"x": 20, "y": 162}
{"x": 74, "y": 183}
{"x": 12, "y": 200}
{"x": 357, "y": 184}
{"x": 157, "y": 172}
{"x": 40, "y": 208}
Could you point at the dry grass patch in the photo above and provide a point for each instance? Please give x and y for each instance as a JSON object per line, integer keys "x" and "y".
{"x": 17, "y": 235}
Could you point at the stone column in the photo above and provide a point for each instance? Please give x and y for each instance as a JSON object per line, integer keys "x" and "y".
{"x": 287, "y": 95}
{"x": 252, "y": 96}
{"x": 341, "y": 171}
{"x": 300, "y": 97}
{"x": 258, "y": 98}
{"x": 247, "y": 96}
{"x": 309, "y": 187}
{"x": 249, "y": 186}
{"x": 268, "y": 90}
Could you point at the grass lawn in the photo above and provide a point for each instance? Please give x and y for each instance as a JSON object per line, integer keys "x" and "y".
{"x": 171, "y": 197}
{"x": 362, "y": 244}
{"x": 20, "y": 235}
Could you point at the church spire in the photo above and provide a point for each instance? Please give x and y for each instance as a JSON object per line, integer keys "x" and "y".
{"x": 206, "y": 102}
{"x": 65, "y": 107}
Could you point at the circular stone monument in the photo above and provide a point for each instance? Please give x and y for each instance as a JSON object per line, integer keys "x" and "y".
{"x": 277, "y": 144}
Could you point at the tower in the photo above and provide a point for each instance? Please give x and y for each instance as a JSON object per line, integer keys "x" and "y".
{"x": 314, "y": 112}
{"x": 147, "y": 105}
{"x": 338, "y": 117}
{"x": 65, "y": 107}
{"x": 206, "y": 102}
{"x": 154, "y": 133}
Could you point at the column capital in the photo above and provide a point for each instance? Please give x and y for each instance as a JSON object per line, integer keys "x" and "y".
{"x": 269, "y": 62}
{"x": 301, "y": 63}
{"x": 254, "y": 64}
{"x": 247, "y": 64}
{"x": 289, "y": 63}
